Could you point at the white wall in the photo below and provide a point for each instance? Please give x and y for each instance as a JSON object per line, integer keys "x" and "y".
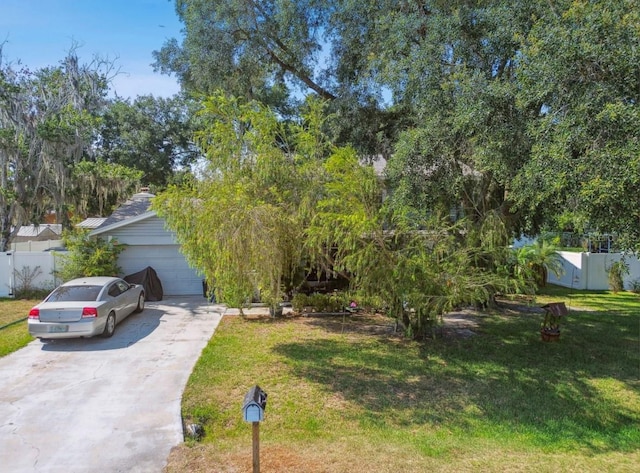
{"x": 574, "y": 274}
{"x": 589, "y": 270}
{"x": 13, "y": 264}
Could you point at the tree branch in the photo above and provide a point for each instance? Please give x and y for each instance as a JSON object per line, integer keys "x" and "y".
{"x": 322, "y": 92}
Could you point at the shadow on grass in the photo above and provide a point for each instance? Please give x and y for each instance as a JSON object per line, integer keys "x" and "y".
{"x": 579, "y": 393}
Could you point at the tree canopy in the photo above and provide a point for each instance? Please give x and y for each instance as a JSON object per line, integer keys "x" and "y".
{"x": 580, "y": 71}
{"x": 151, "y": 134}
{"x": 277, "y": 202}
{"x": 524, "y": 108}
{"x": 48, "y": 123}
{"x": 68, "y": 148}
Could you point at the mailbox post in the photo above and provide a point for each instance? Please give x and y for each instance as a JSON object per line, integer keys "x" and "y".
{"x": 255, "y": 402}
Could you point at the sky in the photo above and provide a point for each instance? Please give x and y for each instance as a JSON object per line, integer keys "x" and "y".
{"x": 39, "y": 33}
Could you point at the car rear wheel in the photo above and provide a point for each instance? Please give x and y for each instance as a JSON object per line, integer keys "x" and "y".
{"x": 110, "y": 326}
{"x": 140, "y": 307}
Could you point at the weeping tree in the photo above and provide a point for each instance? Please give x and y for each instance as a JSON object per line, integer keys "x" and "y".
{"x": 99, "y": 185}
{"x": 48, "y": 125}
{"x": 242, "y": 223}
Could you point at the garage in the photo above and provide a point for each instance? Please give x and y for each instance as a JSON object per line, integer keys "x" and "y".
{"x": 149, "y": 243}
{"x": 175, "y": 274}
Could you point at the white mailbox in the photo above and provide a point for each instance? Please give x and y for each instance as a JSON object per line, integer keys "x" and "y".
{"x": 254, "y": 405}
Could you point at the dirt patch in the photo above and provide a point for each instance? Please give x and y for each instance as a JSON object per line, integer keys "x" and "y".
{"x": 276, "y": 459}
{"x": 462, "y": 323}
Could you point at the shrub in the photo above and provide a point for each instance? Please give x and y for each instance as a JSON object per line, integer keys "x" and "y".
{"x": 334, "y": 302}
{"x": 616, "y": 273}
{"x": 89, "y": 257}
{"x": 370, "y": 303}
{"x": 299, "y": 302}
{"x": 634, "y": 286}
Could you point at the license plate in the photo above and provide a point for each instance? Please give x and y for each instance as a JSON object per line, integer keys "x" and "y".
{"x": 58, "y": 328}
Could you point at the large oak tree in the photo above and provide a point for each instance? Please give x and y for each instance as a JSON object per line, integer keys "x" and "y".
{"x": 49, "y": 120}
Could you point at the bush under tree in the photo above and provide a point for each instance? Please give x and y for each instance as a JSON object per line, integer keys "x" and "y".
{"x": 88, "y": 256}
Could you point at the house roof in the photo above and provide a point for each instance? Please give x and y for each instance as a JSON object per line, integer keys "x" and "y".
{"x": 133, "y": 210}
{"x": 93, "y": 222}
{"x": 36, "y": 230}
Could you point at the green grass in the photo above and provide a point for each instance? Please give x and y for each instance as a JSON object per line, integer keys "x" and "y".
{"x": 14, "y": 335}
{"x": 500, "y": 401}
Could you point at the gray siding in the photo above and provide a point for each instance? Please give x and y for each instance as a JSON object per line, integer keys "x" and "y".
{"x": 150, "y": 231}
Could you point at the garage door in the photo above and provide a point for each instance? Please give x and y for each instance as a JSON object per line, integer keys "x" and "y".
{"x": 177, "y": 278}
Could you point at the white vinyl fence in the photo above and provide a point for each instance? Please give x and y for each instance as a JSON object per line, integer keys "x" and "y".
{"x": 589, "y": 270}
{"x": 36, "y": 245}
{"x": 27, "y": 270}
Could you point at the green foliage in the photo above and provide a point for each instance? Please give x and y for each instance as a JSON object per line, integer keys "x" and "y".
{"x": 88, "y": 256}
{"x": 616, "y": 273}
{"x": 153, "y": 135}
{"x": 243, "y": 224}
{"x": 273, "y": 199}
{"x": 522, "y": 108}
{"x": 579, "y": 69}
{"x": 334, "y": 302}
{"x": 470, "y": 137}
{"x": 503, "y": 118}
{"x": 299, "y": 301}
{"x": 533, "y": 262}
{"x": 261, "y": 48}
{"x": 109, "y": 183}
{"x": 49, "y": 122}
{"x": 420, "y": 268}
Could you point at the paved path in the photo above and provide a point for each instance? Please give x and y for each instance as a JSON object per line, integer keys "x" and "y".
{"x": 103, "y": 405}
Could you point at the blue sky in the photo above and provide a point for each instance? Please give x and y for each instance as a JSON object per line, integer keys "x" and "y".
{"x": 39, "y": 33}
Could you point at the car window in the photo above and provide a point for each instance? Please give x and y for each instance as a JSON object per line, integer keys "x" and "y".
{"x": 114, "y": 290}
{"x": 74, "y": 293}
{"x": 123, "y": 286}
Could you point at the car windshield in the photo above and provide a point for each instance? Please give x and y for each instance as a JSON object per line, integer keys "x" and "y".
{"x": 74, "y": 293}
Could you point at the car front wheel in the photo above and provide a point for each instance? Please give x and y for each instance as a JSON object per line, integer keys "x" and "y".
{"x": 110, "y": 326}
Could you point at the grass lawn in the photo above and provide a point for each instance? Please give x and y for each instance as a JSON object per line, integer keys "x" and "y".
{"x": 354, "y": 397}
{"x": 14, "y": 336}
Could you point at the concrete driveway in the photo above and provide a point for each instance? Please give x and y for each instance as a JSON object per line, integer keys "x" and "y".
{"x": 103, "y": 405}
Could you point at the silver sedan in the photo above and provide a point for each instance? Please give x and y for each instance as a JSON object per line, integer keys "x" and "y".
{"x": 85, "y": 307}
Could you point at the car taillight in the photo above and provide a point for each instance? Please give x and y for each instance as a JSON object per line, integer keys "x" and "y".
{"x": 34, "y": 314}
{"x": 89, "y": 312}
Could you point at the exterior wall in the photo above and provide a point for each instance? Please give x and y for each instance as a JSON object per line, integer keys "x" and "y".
{"x": 150, "y": 231}
{"x": 15, "y": 265}
{"x": 589, "y": 270}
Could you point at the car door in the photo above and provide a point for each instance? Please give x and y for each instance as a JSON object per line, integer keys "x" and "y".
{"x": 117, "y": 303}
{"x": 128, "y": 296}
